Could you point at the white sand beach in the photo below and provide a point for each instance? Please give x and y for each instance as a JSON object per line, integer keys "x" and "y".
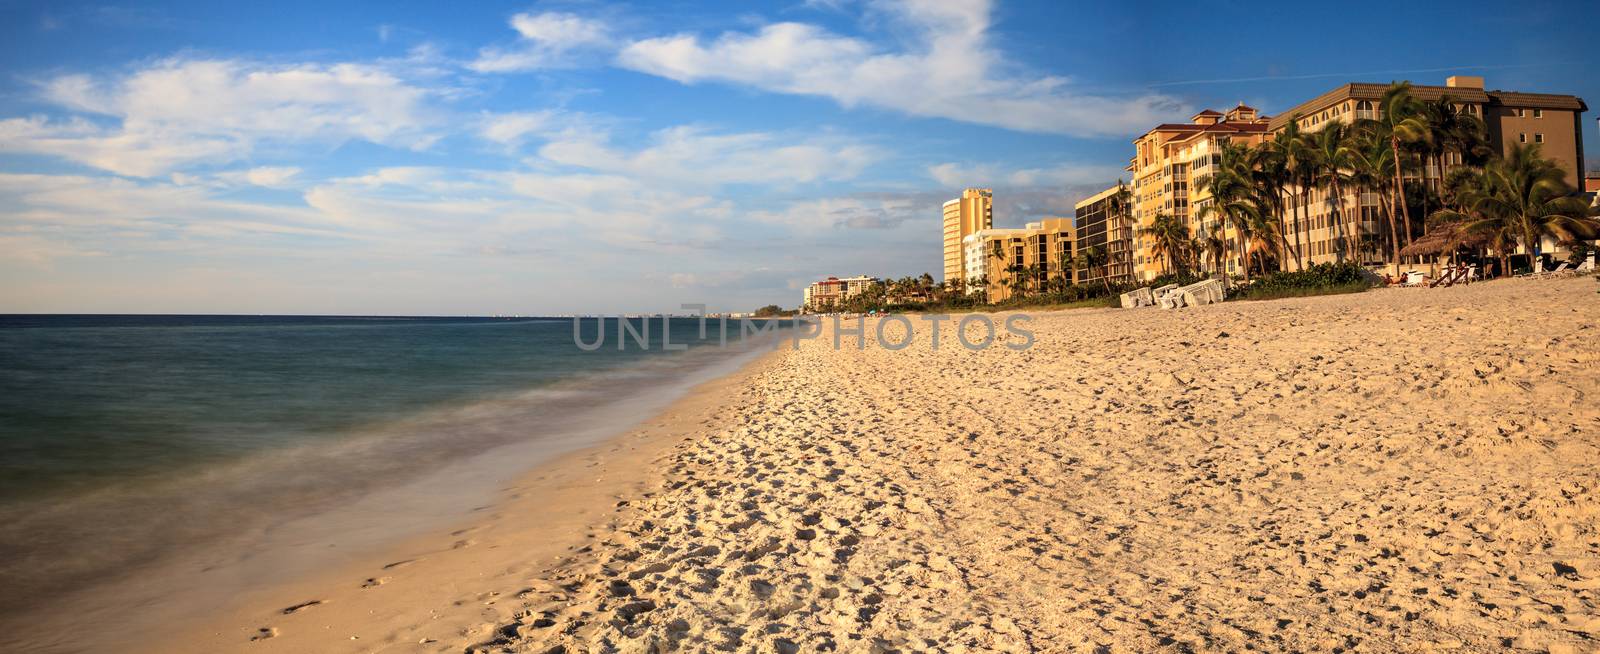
{"x": 1397, "y": 470}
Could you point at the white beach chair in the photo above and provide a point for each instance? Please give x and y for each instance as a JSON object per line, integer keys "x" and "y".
{"x": 1140, "y": 297}
{"x": 1559, "y": 271}
{"x": 1416, "y": 278}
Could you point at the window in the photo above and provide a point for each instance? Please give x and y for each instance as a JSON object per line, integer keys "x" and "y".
{"x": 1521, "y": 113}
{"x": 1522, "y": 138}
{"x": 1538, "y": 138}
{"x": 1538, "y": 113}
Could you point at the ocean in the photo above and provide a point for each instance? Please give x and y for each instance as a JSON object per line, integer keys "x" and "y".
{"x": 128, "y": 441}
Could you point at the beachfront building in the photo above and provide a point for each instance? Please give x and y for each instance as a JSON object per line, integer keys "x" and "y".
{"x": 1511, "y": 118}
{"x": 830, "y": 294}
{"x": 1169, "y": 163}
{"x": 1102, "y": 222}
{"x": 999, "y": 262}
{"x": 964, "y": 216}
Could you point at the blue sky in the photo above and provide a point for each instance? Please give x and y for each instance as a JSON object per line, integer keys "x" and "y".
{"x": 556, "y": 157}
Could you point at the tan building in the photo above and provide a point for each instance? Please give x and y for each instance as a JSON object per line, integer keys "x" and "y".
{"x": 963, "y": 216}
{"x": 828, "y": 294}
{"x": 1042, "y": 245}
{"x": 1103, "y": 220}
{"x": 1552, "y": 121}
{"x": 1167, "y": 166}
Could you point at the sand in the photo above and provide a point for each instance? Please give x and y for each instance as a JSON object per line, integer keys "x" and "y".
{"x": 1398, "y": 470}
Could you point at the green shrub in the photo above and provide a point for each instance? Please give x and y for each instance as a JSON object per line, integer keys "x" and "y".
{"x": 1332, "y": 277}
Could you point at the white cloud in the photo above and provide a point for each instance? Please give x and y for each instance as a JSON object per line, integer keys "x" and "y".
{"x": 697, "y": 156}
{"x": 848, "y": 213}
{"x": 512, "y": 128}
{"x": 181, "y": 112}
{"x": 946, "y": 69}
{"x": 546, "y": 40}
{"x": 953, "y": 175}
{"x": 271, "y": 176}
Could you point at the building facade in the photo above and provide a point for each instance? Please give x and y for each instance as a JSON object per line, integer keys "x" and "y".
{"x": 1103, "y": 221}
{"x": 1511, "y": 118}
{"x": 829, "y": 294}
{"x": 992, "y": 257}
{"x": 963, "y": 216}
{"x": 1169, "y": 166}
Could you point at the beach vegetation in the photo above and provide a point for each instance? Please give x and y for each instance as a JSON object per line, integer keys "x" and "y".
{"x": 1316, "y": 279}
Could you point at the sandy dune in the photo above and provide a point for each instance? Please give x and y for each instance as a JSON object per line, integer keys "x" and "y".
{"x": 1398, "y": 470}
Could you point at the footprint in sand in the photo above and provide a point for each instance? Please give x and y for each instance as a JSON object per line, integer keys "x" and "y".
{"x": 399, "y": 564}
{"x": 374, "y": 582}
{"x": 264, "y": 633}
{"x": 301, "y": 607}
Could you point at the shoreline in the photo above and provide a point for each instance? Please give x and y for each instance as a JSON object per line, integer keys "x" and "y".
{"x": 375, "y": 580}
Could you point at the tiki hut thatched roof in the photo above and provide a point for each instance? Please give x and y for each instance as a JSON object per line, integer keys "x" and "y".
{"x": 1443, "y": 238}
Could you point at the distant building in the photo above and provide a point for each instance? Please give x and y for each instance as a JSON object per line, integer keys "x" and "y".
{"x": 829, "y": 294}
{"x": 1102, "y": 222}
{"x": 1040, "y": 246}
{"x": 1511, "y": 117}
{"x": 963, "y": 216}
{"x": 1168, "y": 163}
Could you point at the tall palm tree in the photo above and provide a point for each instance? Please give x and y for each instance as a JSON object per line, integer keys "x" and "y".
{"x": 1269, "y": 176}
{"x": 1292, "y": 155}
{"x": 1329, "y": 164}
{"x": 1401, "y": 123}
{"x": 1234, "y": 199}
{"x": 1370, "y": 162}
{"x": 1091, "y": 258}
{"x": 1064, "y": 263}
{"x": 1168, "y": 237}
{"x": 998, "y": 252}
{"x": 1213, "y": 244}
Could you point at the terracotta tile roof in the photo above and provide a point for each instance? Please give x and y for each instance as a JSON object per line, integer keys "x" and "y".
{"x": 1370, "y": 91}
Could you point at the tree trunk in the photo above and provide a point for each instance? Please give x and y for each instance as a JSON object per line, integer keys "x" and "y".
{"x": 1400, "y": 189}
{"x": 1244, "y": 258}
{"x": 1394, "y": 238}
{"x": 1299, "y": 262}
{"x": 1338, "y": 217}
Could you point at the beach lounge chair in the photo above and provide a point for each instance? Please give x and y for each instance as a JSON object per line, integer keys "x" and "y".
{"x": 1209, "y": 291}
{"x": 1560, "y": 271}
{"x": 1414, "y": 278}
{"x": 1140, "y": 297}
{"x": 1457, "y": 274}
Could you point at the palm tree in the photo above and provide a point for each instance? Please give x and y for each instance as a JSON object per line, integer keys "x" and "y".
{"x": 1234, "y": 200}
{"x": 998, "y": 253}
{"x": 1370, "y": 159}
{"x": 1095, "y": 257}
{"x": 1291, "y": 156}
{"x": 1168, "y": 238}
{"x": 1213, "y": 244}
{"x": 1400, "y": 122}
{"x": 1064, "y": 263}
{"x": 1329, "y": 161}
{"x": 1523, "y": 198}
{"x": 1267, "y": 176}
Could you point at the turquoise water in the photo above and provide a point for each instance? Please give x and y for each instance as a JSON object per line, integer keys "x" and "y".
{"x": 124, "y": 439}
